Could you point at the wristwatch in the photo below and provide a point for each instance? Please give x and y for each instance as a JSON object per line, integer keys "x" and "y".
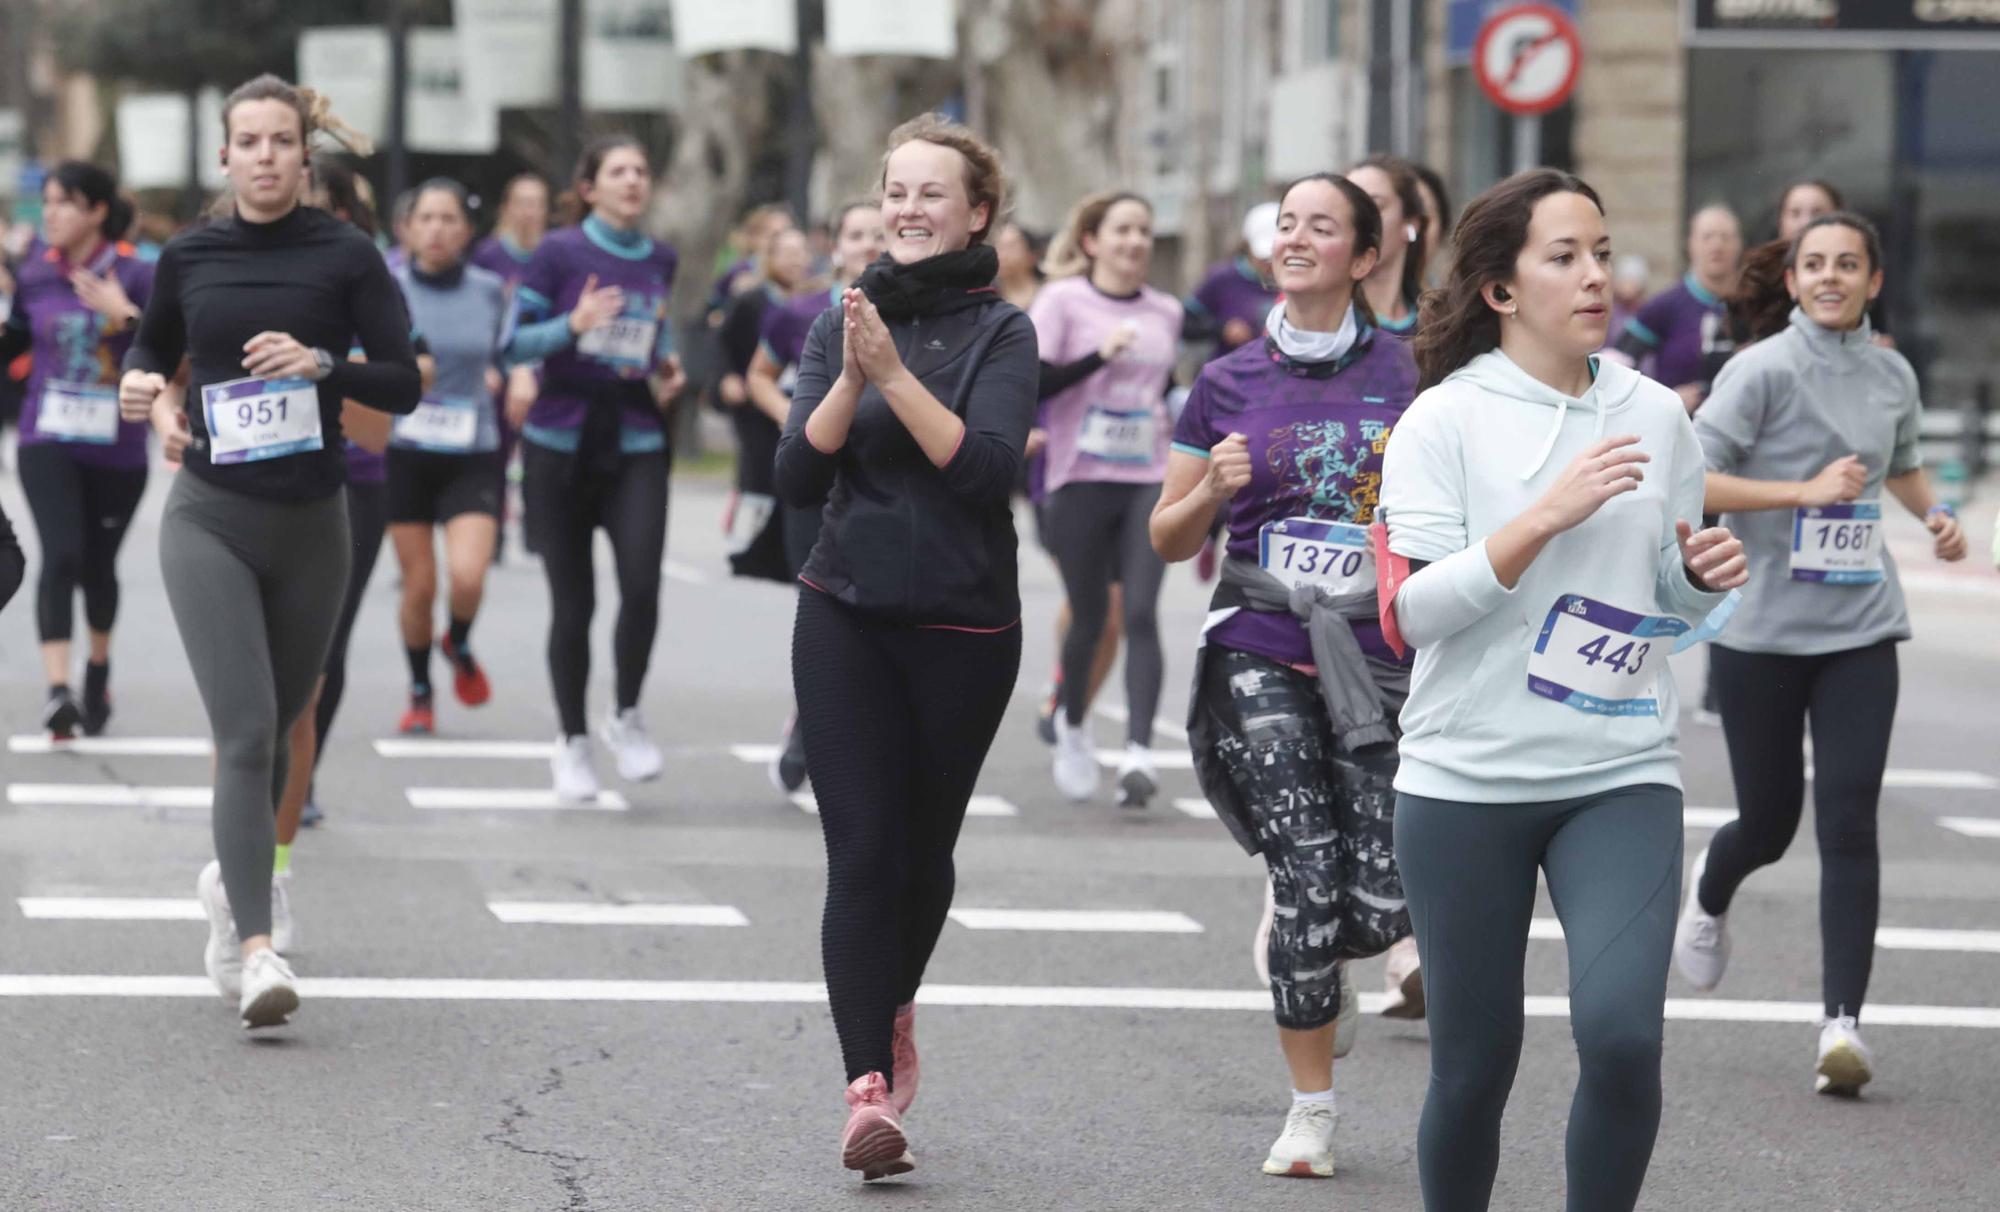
{"x": 324, "y": 361}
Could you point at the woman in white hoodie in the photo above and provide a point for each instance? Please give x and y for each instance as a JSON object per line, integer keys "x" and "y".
{"x": 1546, "y": 503}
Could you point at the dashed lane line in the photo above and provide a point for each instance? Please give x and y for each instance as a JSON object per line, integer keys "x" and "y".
{"x": 586, "y": 913}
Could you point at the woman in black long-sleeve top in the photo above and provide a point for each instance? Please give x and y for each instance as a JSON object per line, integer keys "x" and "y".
{"x": 913, "y": 404}
{"x": 254, "y": 543}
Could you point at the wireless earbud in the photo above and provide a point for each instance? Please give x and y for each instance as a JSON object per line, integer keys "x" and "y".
{"x": 1410, "y": 232}
{"x": 1500, "y": 293}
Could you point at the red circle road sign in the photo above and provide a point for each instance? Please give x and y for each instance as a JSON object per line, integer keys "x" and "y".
{"x": 1527, "y": 58}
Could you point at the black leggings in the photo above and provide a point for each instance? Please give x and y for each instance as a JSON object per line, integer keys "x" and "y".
{"x": 563, "y": 515}
{"x": 1324, "y": 821}
{"x": 81, "y": 512}
{"x": 1098, "y": 534}
{"x": 367, "y": 517}
{"x": 897, "y": 723}
{"x": 1766, "y": 699}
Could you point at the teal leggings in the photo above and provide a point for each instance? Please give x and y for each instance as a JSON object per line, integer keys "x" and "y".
{"x": 1613, "y": 863}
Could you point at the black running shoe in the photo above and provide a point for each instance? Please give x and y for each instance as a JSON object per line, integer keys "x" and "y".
{"x": 60, "y": 715}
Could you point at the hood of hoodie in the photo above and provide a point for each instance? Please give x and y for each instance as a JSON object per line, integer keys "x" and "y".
{"x": 1611, "y": 391}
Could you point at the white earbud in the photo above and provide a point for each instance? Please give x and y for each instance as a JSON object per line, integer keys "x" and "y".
{"x": 1410, "y": 232}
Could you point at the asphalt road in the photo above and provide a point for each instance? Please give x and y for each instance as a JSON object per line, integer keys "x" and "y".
{"x": 447, "y": 1059}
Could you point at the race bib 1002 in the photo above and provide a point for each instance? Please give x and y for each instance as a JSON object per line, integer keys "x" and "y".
{"x": 446, "y": 426}
{"x": 1119, "y": 437}
{"x": 1305, "y": 551}
{"x": 78, "y": 412}
{"x": 1600, "y": 659}
{"x": 1838, "y": 544}
{"x": 250, "y": 420}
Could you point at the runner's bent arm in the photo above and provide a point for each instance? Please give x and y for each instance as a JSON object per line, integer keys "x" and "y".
{"x": 388, "y": 381}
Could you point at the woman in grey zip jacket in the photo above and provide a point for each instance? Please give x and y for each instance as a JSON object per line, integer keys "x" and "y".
{"x": 1804, "y": 432}
{"x": 1546, "y": 503}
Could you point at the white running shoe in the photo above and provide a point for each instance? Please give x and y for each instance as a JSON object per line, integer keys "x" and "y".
{"x": 1845, "y": 1063}
{"x": 1348, "y": 1026}
{"x": 1260, "y": 942}
{"x": 638, "y": 758}
{"x": 270, "y": 992}
{"x": 1305, "y": 1148}
{"x": 1138, "y": 782}
{"x": 284, "y": 932}
{"x": 1701, "y": 940}
{"x": 575, "y": 772}
{"x": 1403, "y": 977}
{"x": 223, "y": 957}
{"x": 1075, "y": 761}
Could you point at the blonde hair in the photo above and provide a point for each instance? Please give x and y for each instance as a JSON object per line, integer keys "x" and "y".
{"x": 985, "y": 184}
{"x": 314, "y": 108}
{"x": 1066, "y": 258}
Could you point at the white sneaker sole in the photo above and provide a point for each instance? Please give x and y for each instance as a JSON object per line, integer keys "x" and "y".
{"x": 271, "y": 1008}
{"x": 878, "y": 1150}
{"x": 1841, "y": 1072}
{"x": 1298, "y": 1169}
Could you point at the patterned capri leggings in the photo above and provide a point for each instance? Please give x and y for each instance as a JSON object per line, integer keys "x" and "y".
{"x": 1323, "y": 821}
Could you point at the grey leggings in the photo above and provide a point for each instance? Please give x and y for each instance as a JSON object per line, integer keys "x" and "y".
{"x": 1098, "y": 534}
{"x": 255, "y": 588}
{"x": 1613, "y": 863}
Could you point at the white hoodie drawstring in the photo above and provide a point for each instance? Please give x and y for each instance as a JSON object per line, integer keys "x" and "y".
{"x": 1555, "y": 431}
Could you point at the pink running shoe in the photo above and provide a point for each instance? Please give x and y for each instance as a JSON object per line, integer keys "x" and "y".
{"x": 903, "y": 1047}
{"x": 873, "y": 1142}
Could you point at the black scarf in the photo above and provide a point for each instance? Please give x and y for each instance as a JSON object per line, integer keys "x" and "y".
{"x": 933, "y": 286}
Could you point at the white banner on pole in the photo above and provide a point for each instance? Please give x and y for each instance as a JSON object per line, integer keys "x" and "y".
{"x": 153, "y": 140}
{"x": 349, "y": 65}
{"x": 442, "y": 115}
{"x": 510, "y": 49}
{"x": 629, "y": 60}
{"x": 705, "y": 26}
{"x": 925, "y": 29}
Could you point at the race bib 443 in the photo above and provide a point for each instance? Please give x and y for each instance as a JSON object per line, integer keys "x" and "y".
{"x": 1599, "y": 659}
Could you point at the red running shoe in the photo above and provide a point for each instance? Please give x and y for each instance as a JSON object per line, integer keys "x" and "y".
{"x": 468, "y": 680}
{"x": 420, "y": 719}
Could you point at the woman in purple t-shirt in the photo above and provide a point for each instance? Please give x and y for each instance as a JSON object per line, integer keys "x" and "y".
{"x": 1292, "y": 722}
{"x": 1108, "y": 344}
{"x": 82, "y": 468}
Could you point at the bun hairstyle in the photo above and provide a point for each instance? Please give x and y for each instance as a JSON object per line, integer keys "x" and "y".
{"x": 83, "y": 181}
{"x": 1403, "y": 178}
{"x": 1455, "y": 324}
{"x": 985, "y": 184}
{"x": 1066, "y": 258}
{"x": 335, "y": 190}
{"x": 1761, "y": 305}
{"x": 1366, "y": 220}
{"x": 315, "y": 111}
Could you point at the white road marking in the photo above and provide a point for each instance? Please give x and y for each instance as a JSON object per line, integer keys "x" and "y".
{"x": 112, "y": 908}
{"x": 585, "y": 913}
{"x": 1706, "y": 818}
{"x": 683, "y": 573}
{"x": 106, "y": 795}
{"x": 1163, "y": 759}
{"x": 1972, "y": 826}
{"x": 979, "y": 805}
{"x": 115, "y": 746}
{"x": 1078, "y": 921}
{"x": 1199, "y": 809}
{"x": 1118, "y": 712}
{"x": 419, "y": 747}
{"x": 1889, "y": 938}
{"x": 756, "y": 755}
{"x": 1078, "y": 997}
{"x": 1940, "y": 780}
{"x": 509, "y": 799}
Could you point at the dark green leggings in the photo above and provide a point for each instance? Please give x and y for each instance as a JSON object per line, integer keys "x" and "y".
{"x": 1613, "y": 863}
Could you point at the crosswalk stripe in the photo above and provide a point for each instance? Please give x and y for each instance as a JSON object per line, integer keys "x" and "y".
{"x": 1078, "y": 921}
{"x": 415, "y": 747}
{"x": 1199, "y": 809}
{"x": 979, "y": 805}
{"x": 1972, "y": 826}
{"x": 1889, "y": 938}
{"x": 114, "y": 746}
{"x": 106, "y": 795}
{"x": 1076, "y": 997}
{"x": 683, "y": 573}
{"x": 509, "y": 799}
{"x": 1706, "y": 818}
{"x": 585, "y": 913}
{"x": 1940, "y": 780}
{"x": 756, "y": 755}
{"x": 1163, "y": 759}
{"x": 111, "y": 908}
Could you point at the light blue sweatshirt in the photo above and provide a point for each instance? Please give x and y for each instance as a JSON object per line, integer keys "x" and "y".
{"x": 1471, "y": 455}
